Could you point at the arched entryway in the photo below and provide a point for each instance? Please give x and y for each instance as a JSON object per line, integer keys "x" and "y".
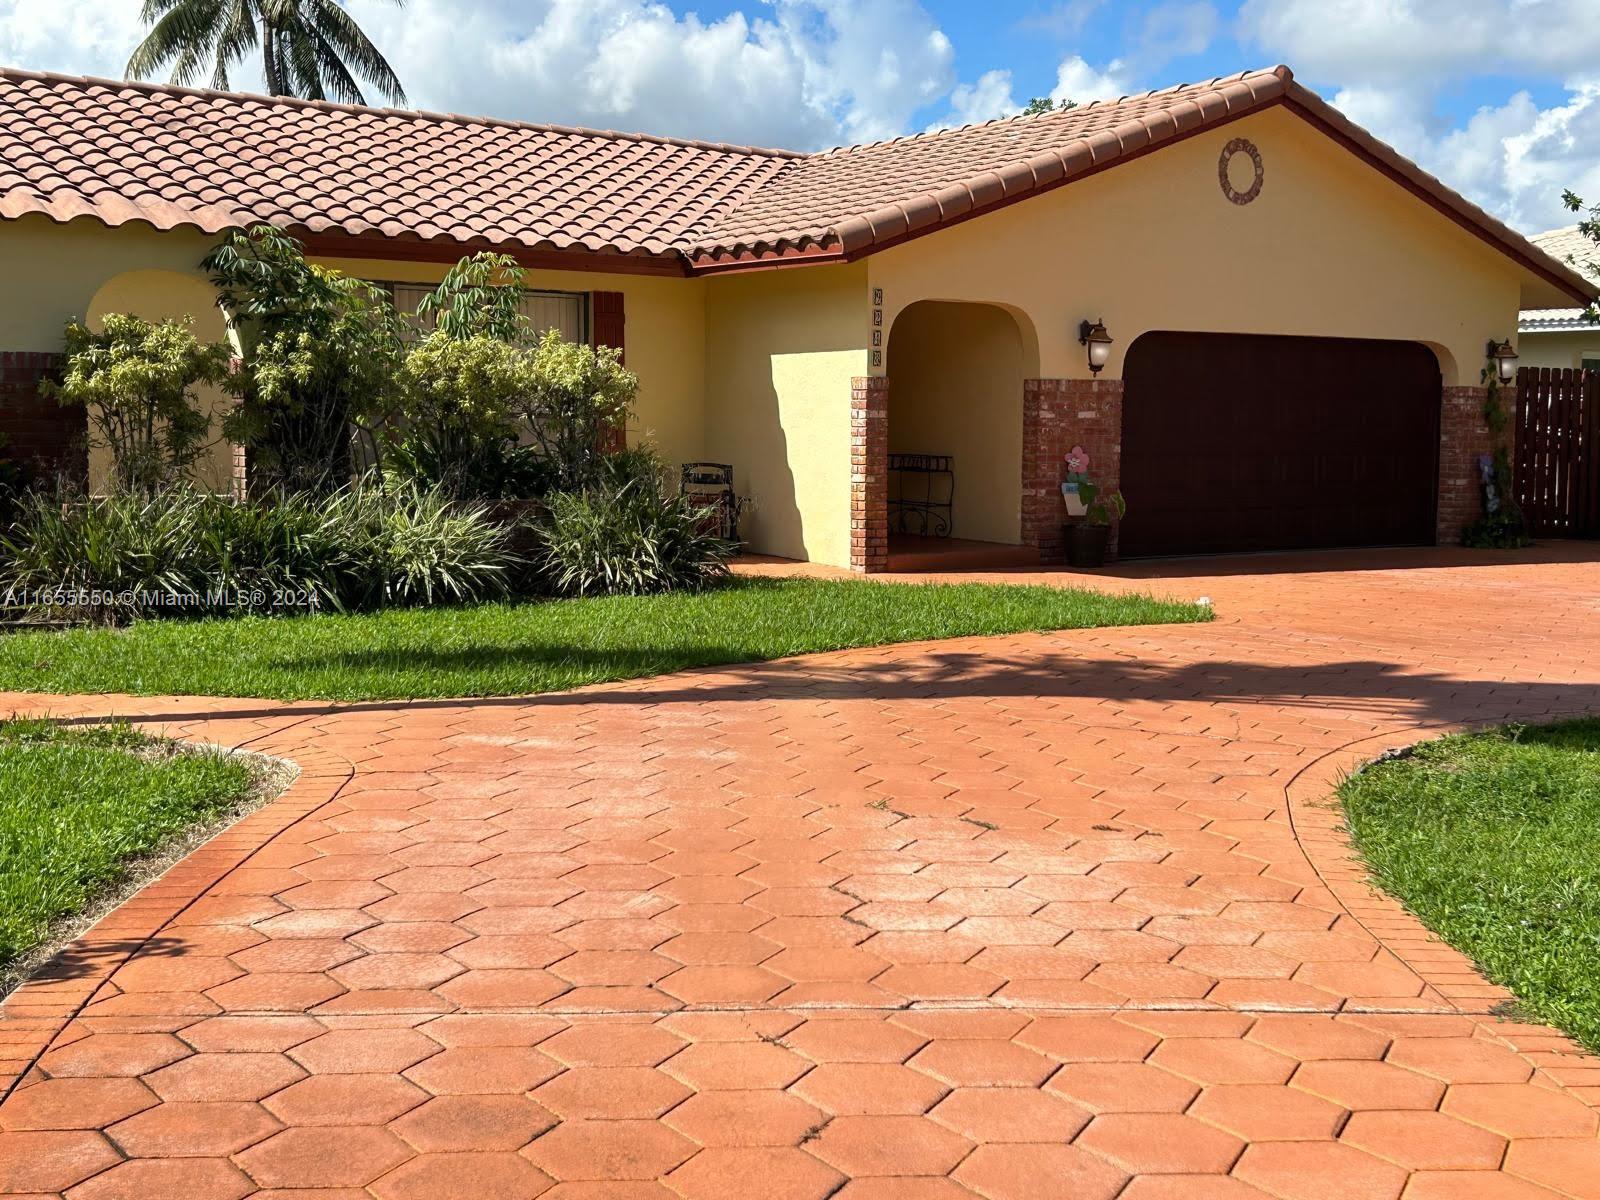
{"x": 955, "y": 436}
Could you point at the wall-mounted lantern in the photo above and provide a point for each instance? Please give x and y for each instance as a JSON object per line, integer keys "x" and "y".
{"x": 1095, "y": 337}
{"x": 1504, "y": 359}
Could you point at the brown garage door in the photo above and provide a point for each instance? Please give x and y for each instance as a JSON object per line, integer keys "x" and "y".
{"x": 1233, "y": 442}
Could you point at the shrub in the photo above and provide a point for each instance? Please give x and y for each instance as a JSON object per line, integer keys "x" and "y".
{"x": 456, "y": 419}
{"x": 319, "y": 352}
{"x": 576, "y": 396}
{"x": 416, "y": 545}
{"x": 481, "y": 296}
{"x": 629, "y": 537}
{"x": 183, "y": 552}
{"x": 136, "y": 379}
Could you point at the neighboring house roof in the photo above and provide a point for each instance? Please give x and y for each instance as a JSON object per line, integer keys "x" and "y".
{"x": 173, "y": 158}
{"x": 1574, "y": 248}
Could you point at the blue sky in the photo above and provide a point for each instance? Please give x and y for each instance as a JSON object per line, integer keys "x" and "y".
{"x": 1500, "y": 98}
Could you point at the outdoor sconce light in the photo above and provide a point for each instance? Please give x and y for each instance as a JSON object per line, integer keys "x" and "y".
{"x": 1504, "y": 359}
{"x": 1098, "y": 340}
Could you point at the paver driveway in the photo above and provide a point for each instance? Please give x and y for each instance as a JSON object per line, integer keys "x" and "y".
{"x": 1056, "y": 915}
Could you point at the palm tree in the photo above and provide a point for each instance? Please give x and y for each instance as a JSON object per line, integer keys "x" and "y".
{"x": 309, "y": 48}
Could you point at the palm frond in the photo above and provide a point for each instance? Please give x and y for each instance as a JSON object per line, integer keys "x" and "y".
{"x": 354, "y": 49}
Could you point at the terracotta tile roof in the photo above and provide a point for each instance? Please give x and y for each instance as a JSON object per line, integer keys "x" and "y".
{"x": 1570, "y": 246}
{"x": 177, "y": 157}
{"x": 121, "y": 152}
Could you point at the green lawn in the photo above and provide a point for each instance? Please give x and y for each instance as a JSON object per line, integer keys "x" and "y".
{"x": 1494, "y": 841}
{"x": 518, "y": 649}
{"x": 78, "y": 805}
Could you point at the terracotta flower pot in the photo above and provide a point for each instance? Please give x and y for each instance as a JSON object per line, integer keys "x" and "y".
{"x": 1086, "y": 544}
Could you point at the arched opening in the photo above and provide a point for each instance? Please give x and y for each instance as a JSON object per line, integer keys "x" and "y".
{"x": 955, "y": 436}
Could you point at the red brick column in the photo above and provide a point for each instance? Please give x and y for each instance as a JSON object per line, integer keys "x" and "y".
{"x": 869, "y": 473}
{"x": 1463, "y": 437}
{"x": 42, "y": 435}
{"x": 1058, "y": 414}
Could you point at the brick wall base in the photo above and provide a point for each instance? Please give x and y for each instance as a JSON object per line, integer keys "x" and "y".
{"x": 1058, "y": 414}
{"x": 869, "y": 473}
{"x": 1463, "y": 438}
{"x": 42, "y": 436}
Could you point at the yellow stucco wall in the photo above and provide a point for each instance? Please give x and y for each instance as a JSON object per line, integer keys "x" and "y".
{"x": 1565, "y": 349}
{"x": 1329, "y": 248}
{"x": 956, "y": 388}
{"x": 781, "y": 348}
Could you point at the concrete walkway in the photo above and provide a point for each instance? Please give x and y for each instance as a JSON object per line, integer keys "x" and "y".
{"x": 1055, "y": 915}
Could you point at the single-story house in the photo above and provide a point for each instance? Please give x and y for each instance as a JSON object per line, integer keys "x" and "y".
{"x": 1298, "y": 315}
{"x": 1563, "y": 337}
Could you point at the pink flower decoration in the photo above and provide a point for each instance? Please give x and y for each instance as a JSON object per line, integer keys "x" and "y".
{"x": 1077, "y": 460}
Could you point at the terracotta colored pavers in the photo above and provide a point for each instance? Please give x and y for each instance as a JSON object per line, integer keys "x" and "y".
{"x": 1051, "y": 915}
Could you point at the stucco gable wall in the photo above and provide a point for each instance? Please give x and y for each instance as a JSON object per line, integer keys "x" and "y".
{"x": 1330, "y": 247}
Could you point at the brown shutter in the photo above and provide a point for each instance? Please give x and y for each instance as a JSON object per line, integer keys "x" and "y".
{"x": 606, "y": 329}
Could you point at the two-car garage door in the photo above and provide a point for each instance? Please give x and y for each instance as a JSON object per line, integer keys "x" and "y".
{"x": 1233, "y": 442}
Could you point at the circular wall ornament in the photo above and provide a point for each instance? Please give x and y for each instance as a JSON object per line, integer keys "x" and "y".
{"x": 1231, "y": 170}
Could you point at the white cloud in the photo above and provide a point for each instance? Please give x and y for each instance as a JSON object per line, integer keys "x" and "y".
{"x": 804, "y": 73}
{"x": 1173, "y": 30}
{"x": 1391, "y": 61}
{"x": 1077, "y": 81}
{"x": 77, "y": 39}
{"x": 987, "y": 99}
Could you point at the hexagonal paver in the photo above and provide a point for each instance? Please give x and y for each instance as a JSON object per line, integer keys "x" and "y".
{"x": 1010, "y": 1114}
{"x": 1222, "y": 1060}
{"x": 484, "y": 1070}
{"x": 152, "y": 973}
{"x": 612, "y": 1044}
{"x": 1460, "y": 1060}
{"x": 37, "y": 1161}
{"x": 1425, "y": 1141}
{"x": 224, "y": 1077}
{"x": 471, "y": 1123}
{"x": 359, "y": 1051}
{"x": 191, "y": 1179}
{"x": 1123, "y": 1087}
{"x": 773, "y": 1174}
{"x": 846, "y": 1039}
{"x": 609, "y": 1150}
{"x": 1510, "y": 1109}
{"x": 400, "y": 970}
{"x": 983, "y": 1063}
{"x": 74, "y": 1103}
{"x": 711, "y": 1066}
{"x": 1160, "y": 1144}
{"x": 275, "y": 991}
{"x": 350, "y": 1156}
{"x": 610, "y": 1092}
{"x": 1318, "y": 1171}
{"x": 233, "y": 1032}
{"x": 481, "y": 1175}
{"x": 344, "y": 1100}
{"x": 1265, "y": 1112}
{"x": 297, "y": 955}
{"x": 1364, "y": 1085}
{"x": 864, "y": 1146}
{"x": 203, "y": 1130}
{"x": 870, "y": 1089}
{"x": 124, "y": 1054}
{"x": 1088, "y": 1037}
{"x": 1026, "y": 1171}
{"x": 760, "y": 1118}
{"x": 1313, "y": 1038}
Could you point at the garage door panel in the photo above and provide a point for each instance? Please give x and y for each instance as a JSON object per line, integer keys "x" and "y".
{"x": 1242, "y": 442}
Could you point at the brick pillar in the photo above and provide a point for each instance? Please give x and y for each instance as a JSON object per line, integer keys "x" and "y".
{"x": 869, "y": 473}
{"x": 1058, "y": 414}
{"x": 41, "y": 435}
{"x": 1463, "y": 438}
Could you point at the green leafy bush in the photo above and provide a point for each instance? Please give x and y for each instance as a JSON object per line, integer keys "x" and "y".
{"x": 456, "y": 420}
{"x": 137, "y": 381}
{"x": 576, "y": 396}
{"x": 319, "y": 355}
{"x": 183, "y": 552}
{"x": 628, "y": 536}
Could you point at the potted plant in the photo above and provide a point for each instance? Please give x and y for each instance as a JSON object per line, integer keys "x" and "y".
{"x": 1095, "y": 508}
